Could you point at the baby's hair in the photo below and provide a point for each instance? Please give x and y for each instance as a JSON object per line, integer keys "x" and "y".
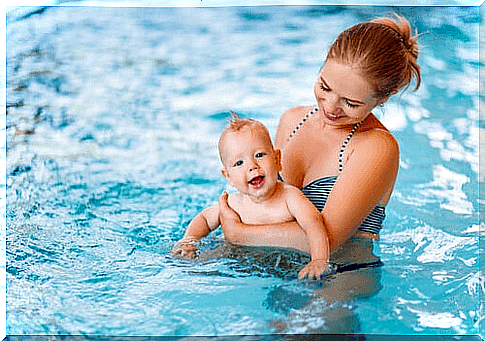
{"x": 237, "y": 123}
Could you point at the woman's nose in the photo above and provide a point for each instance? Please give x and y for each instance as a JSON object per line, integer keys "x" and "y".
{"x": 332, "y": 105}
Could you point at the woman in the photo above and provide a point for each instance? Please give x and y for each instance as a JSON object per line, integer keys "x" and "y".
{"x": 339, "y": 154}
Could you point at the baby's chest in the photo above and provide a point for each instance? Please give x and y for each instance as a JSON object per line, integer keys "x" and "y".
{"x": 264, "y": 214}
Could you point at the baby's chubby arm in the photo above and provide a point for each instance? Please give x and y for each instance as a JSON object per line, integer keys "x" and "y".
{"x": 311, "y": 221}
{"x": 203, "y": 224}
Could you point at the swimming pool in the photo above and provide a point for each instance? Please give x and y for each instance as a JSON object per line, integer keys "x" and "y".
{"x": 113, "y": 115}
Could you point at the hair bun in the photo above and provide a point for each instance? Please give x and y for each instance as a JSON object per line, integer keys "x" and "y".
{"x": 403, "y": 29}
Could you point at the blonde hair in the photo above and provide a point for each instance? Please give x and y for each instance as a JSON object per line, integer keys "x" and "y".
{"x": 386, "y": 52}
{"x": 237, "y": 123}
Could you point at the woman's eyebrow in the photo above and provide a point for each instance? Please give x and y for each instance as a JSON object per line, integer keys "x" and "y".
{"x": 345, "y": 98}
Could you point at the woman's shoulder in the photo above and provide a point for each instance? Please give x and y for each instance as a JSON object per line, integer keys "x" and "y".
{"x": 288, "y": 121}
{"x": 376, "y": 139}
{"x": 294, "y": 115}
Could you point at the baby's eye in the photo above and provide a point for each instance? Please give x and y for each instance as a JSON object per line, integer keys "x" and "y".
{"x": 238, "y": 163}
{"x": 259, "y": 155}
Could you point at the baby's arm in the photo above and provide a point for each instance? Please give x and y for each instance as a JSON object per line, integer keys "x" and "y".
{"x": 311, "y": 221}
{"x": 203, "y": 224}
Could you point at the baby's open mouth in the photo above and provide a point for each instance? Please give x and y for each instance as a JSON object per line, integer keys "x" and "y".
{"x": 257, "y": 181}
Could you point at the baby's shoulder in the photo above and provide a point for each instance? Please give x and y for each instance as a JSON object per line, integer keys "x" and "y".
{"x": 236, "y": 201}
{"x": 290, "y": 191}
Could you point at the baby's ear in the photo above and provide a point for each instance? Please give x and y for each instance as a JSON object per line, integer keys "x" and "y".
{"x": 226, "y": 175}
{"x": 277, "y": 153}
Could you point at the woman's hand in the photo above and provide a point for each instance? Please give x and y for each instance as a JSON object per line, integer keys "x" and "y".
{"x": 316, "y": 269}
{"x": 229, "y": 219}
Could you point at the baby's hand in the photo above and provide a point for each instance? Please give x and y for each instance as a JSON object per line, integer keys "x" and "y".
{"x": 185, "y": 248}
{"x": 315, "y": 269}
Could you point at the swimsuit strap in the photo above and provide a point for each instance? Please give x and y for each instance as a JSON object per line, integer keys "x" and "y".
{"x": 344, "y": 145}
{"x": 307, "y": 116}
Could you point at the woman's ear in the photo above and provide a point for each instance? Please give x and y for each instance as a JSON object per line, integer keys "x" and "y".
{"x": 382, "y": 101}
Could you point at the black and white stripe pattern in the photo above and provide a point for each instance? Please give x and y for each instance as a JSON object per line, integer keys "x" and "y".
{"x": 319, "y": 190}
{"x": 344, "y": 145}
{"x": 307, "y": 116}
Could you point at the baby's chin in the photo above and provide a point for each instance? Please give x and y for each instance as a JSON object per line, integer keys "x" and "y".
{"x": 264, "y": 192}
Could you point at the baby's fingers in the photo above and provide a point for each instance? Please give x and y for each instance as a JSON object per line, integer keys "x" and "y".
{"x": 185, "y": 249}
{"x": 176, "y": 250}
{"x": 315, "y": 270}
{"x": 304, "y": 273}
{"x": 189, "y": 254}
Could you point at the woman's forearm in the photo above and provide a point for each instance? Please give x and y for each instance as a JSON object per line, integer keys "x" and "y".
{"x": 286, "y": 235}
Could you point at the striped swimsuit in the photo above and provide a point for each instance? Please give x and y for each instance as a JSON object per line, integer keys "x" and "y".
{"x": 318, "y": 190}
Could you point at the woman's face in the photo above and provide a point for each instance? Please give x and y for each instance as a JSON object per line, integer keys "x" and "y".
{"x": 343, "y": 95}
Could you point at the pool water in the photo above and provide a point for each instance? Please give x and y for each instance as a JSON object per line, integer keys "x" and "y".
{"x": 113, "y": 116}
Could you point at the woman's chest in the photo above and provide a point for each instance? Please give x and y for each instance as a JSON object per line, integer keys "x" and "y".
{"x": 310, "y": 156}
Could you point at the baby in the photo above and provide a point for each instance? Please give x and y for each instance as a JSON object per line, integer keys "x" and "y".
{"x": 251, "y": 165}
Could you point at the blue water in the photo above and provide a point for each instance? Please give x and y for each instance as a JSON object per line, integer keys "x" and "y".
{"x": 113, "y": 115}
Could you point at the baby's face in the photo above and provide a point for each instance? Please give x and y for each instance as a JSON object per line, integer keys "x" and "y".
{"x": 251, "y": 164}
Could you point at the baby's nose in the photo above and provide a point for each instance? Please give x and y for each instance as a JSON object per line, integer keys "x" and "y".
{"x": 253, "y": 166}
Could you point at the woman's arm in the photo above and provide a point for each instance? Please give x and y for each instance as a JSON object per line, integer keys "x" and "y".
{"x": 311, "y": 221}
{"x": 288, "y": 235}
{"x": 368, "y": 175}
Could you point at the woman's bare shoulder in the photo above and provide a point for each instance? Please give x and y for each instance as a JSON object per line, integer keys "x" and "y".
{"x": 375, "y": 155}
{"x": 374, "y": 135}
{"x": 288, "y": 121}
{"x": 378, "y": 138}
{"x": 294, "y": 114}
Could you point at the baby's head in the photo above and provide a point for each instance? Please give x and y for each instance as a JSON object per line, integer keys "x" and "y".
{"x": 251, "y": 164}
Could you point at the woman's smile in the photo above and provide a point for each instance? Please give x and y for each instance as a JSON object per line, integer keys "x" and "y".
{"x": 332, "y": 117}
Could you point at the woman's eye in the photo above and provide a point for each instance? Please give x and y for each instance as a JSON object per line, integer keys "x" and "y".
{"x": 238, "y": 163}
{"x": 324, "y": 88}
{"x": 350, "y": 105}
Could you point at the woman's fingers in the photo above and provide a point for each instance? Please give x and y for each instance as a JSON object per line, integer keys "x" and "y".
{"x": 226, "y": 213}
{"x": 223, "y": 205}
